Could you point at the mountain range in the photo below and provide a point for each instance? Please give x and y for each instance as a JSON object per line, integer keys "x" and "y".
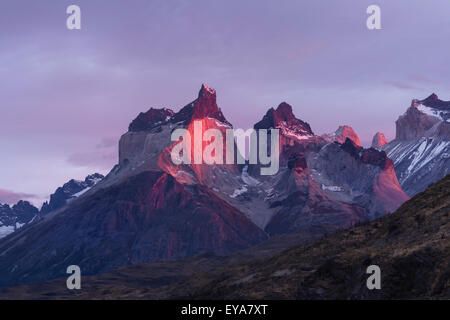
{"x": 149, "y": 209}
{"x": 23, "y": 212}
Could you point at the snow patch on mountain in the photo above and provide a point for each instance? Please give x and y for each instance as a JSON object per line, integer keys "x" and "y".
{"x": 419, "y": 162}
{"x": 247, "y": 179}
{"x": 6, "y": 230}
{"x": 238, "y": 192}
{"x": 332, "y": 188}
{"x": 432, "y": 112}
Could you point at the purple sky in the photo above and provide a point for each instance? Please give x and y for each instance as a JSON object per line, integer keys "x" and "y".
{"x": 67, "y": 96}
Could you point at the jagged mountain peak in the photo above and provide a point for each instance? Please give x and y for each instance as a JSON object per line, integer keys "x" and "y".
{"x": 432, "y": 101}
{"x": 424, "y": 118}
{"x": 379, "y": 140}
{"x": 206, "y": 91}
{"x": 341, "y": 134}
{"x": 153, "y": 117}
{"x": 284, "y": 112}
{"x": 432, "y": 97}
{"x": 71, "y": 189}
{"x": 205, "y": 106}
{"x": 284, "y": 119}
{"x": 14, "y": 217}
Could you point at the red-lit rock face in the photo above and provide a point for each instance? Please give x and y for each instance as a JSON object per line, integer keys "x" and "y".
{"x": 341, "y": 134}
{"x": 379, "y": 140}
{"x": 201, "y": 171}
{"x": 297, "y": 162}
{"x": 429, "y": 117}
{"x": 205, "y": 106}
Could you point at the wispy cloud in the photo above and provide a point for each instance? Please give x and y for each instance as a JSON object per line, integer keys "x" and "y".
{"x": 308, "y": 50}
{"x": 422, "y": 79}
{"x": 402, "y": 85}
{"x": 97, "y": 159}
{"x": 106, "y": 143}
{"x": 11, "y": 197}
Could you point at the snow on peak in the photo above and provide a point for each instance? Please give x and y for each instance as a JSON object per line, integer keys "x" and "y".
{"x": 434, "y": 112}
{"x": 208, "y": 89}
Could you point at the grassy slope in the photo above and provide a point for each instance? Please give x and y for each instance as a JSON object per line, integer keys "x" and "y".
{"x": 411, "y": 246}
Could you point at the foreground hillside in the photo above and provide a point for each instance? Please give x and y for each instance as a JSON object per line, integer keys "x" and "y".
{"x": 411, "y": 246}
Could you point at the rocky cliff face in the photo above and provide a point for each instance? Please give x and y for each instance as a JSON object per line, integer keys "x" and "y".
{"x": 421, "y": 150}
{"x": 341, "y": 134}
{"x": 379, "y": 140}
{"x": 69, "y": 191}
{"x": 424, "y": 118}
{"x": 15, "y": 217}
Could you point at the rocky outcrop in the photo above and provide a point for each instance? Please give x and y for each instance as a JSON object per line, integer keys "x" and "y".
{"x": 150, "y": 119}
{"x": 283, "y": 118}
{"x": 379, "y": 140}
{"x": 15, "y": 217}
{"x": 355, "y": 175}
{"x": 341, "y": 134}
{"x": 304, "y": 204}
{"x": 70, "y": 190}
{"x": 421, "y": 150}
{"x": 424, "y": 118}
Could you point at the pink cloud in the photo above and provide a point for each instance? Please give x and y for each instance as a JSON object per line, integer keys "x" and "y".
{"x": 422, "y": 79}
{"x": 107, "y": 143}
{"x": 11, "y": 197}
{"x": 401, "y": 85}
{"x": 308, "y": 50}
{"x": 98, "y": 159}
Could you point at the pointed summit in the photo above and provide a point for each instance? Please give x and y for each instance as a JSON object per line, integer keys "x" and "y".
{"x": 283, "y": 118}
{"x": 341, "y": 134}
{"x": 284, "y": 112}
{"x": 432, "y": 97}
{"x": 379, "y": 140}
{"x": 205, "y": 106}
{"x": 205, "y": 91}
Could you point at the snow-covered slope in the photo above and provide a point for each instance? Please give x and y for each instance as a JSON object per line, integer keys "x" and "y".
{"x": 419, "y": 162}
{"x": 421, "y": 150}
